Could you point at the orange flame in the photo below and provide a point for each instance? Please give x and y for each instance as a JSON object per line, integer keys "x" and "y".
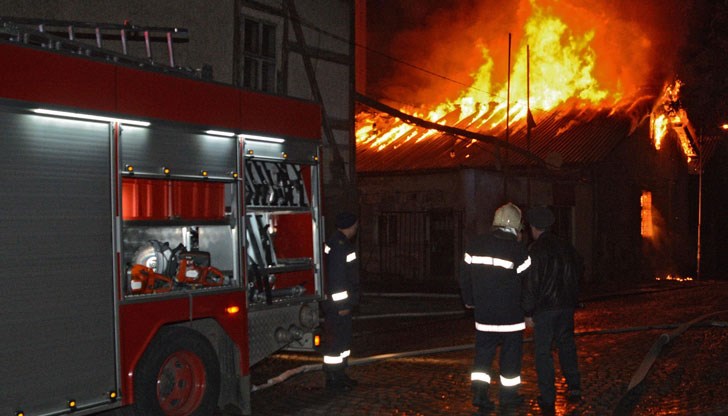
{"x": 675, "y": 278}
{"x": 646, "y": 214}
{"x": 659, "y": 130}
{"x": 562, "y": 70}
{"x": 668, "y": 114}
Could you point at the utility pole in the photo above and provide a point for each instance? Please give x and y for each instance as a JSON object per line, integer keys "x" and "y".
{"x": 508, "y": 123}
{"x": 528, "y": 115}
{"x": 700, "y": 201}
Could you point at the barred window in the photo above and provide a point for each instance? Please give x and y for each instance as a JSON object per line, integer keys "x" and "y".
{"x": 259, "y": 55}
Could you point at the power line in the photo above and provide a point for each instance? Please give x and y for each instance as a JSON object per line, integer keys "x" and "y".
{"x": 315, "y": 28}
{"x": 427, "y": 71}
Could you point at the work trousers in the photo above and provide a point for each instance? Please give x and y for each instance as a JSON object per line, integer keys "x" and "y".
{"x": 511, "y": 352}
{"x": 555, "y": 328}
{"x": 337, "y": 337}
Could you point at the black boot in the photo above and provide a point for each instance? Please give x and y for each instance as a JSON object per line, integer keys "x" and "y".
{"x": 510, "y": 401}
{"x": 547, "y": 409}
{"x": 344, "y": 377}
{"x": 573, "y": 395}
{"x": 480, "y": 397}
{"x": 334, "y": 381}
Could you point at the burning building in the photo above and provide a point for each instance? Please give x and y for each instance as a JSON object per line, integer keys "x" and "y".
{"x": 612, "y": 158}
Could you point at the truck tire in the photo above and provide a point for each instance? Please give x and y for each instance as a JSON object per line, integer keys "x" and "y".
{"x": 178, "y": 375}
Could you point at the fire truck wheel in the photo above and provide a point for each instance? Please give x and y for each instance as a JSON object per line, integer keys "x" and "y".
{"x": 178, "y": 375}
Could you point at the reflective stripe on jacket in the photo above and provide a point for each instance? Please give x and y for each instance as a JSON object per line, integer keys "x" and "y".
{"x": 490, "y": 280}
{"x": 342, "y": 271}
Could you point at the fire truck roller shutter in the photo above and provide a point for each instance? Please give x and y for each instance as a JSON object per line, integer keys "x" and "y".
{"x": 178, "y": 374}
{"x": 57, "y": 336}
{"x": 186, "y": 154}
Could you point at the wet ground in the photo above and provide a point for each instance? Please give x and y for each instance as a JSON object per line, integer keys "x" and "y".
{"x": 412, "y": 356}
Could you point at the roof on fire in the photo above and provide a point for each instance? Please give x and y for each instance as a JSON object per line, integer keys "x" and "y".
{"x": 574, "y": 137}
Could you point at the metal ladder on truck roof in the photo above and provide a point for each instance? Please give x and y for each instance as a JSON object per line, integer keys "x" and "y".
{"x": 72, "y": 37}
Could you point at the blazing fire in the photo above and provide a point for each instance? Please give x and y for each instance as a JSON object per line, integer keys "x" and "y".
{"x": 554, "y": 64}
{"x": 668, "y": 114}
{"x": 646, "y": 214}
{"x": 659, "y": 129}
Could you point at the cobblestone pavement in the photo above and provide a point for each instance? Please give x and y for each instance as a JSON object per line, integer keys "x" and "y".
{"x": 689, "y": 377}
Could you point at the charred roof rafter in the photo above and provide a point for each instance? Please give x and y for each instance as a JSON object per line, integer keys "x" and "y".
{"x": 453, "y": 131}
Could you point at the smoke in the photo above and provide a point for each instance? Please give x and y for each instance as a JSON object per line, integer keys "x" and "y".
{"x": 442, "y": 37}
{"x": 438, "y": 46}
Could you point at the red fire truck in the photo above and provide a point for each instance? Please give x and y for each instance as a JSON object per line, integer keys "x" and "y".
{"x": 159, "y": 234}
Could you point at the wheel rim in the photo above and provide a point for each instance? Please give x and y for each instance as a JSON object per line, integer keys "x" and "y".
{"x": 181, "y": 383}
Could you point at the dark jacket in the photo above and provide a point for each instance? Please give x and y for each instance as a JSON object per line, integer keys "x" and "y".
{"x": 490, "y": 279}
{"x": 342, "y": 271}
{"x": 553, "y": 281}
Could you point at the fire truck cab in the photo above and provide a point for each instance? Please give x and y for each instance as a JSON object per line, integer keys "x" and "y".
{"x": 159, "y": 234}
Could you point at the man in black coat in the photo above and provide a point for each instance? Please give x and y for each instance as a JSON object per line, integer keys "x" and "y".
{"x": 342, "y": 295}
{"x": 490, "y": 282}
{"x": 550, "y": 295}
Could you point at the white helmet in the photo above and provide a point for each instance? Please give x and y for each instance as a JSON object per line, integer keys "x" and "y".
{"x": 508, "y": 216}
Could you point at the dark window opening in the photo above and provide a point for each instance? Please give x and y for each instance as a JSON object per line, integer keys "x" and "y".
{"x": 259, "y": 55}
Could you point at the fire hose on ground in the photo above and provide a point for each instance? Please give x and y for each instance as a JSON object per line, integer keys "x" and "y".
{"x": 649, "y": 359}
{"x": 637, "y": 378}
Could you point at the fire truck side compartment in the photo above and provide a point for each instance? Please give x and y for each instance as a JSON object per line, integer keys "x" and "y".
{"x": 57, "y": 313}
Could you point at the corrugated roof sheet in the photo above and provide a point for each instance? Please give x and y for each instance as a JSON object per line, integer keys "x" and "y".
{"x": 575, "y": 137}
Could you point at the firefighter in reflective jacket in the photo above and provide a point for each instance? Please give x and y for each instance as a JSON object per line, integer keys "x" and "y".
{"x": 490, "y": 282}
{"x": 342, "y": 295}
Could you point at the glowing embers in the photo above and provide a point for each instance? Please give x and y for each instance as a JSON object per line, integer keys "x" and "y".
{"x": 646, "y": 228}
{"x": 675, "y": 278}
